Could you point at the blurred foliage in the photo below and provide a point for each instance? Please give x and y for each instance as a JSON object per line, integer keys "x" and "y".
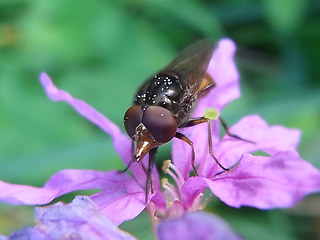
{"x": 100, "y": 51}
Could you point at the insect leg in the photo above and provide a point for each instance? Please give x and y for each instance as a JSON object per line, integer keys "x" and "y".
{"x": 132, "y": 154}
{"x": 188, "y": 141}
{"x": 146, "y": 172}
{"x": 149, "y": 182}
{"x": 197, "y": 121}
{"x": 225, "y": 126}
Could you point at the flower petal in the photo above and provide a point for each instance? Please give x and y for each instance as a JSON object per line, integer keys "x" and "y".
{"x": 61, "y": 183}
{"x": 270, "y": 139}
{"x": 223, "y": 69}
{"x": 22, "y": 194}
{"x": 122, "y": 206}
{"x": 192, "y": 189}
{"x": 121, "y": 142}
{"x": 122, "y": 199}
{"x": 26, "y": 233}
{"x": 254, "y": 128}
{"x": 267, "y": 182}
{"x": 195, "y": 226}
{"x": 80, "y": 219}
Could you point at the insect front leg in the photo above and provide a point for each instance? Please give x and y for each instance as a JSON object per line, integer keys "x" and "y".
{"x": 188, "y": 141}
{"x": 149, "y": 182}
{"x": 193, "y": 122}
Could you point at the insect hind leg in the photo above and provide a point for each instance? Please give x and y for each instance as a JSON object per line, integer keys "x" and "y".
{"x": 226, "y": 129}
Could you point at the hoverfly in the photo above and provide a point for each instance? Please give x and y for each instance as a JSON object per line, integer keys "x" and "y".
{"x": 164, "y": 103}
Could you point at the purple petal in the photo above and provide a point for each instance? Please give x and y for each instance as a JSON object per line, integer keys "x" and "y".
{"x": 191, "y": 190}
{"x": 122, "y": 199}
{"x": 121, "y": 206}
{"x": 2, "y": 237}
{"x": 266, "y": 137}
{"x": 195, "y": 226}
{"x": 80, "y": 219}
{"x": 270, "y": 139}
{"x": 22, "y": 194}
{"x": 26, "y": 234}
{"x": 267, "y": 182}
{"x": 67, "y": 181}
{"x": 121, "y": 193}
{"x": 120, "y": 141}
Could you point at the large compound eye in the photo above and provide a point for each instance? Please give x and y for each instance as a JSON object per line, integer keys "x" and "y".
{"x": 160, "y": 122}
{"x": 132, "y": 118}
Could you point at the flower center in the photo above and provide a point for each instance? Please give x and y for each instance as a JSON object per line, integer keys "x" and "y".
{"x": 172, "y": 190}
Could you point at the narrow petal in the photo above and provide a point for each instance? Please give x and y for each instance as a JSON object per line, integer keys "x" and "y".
{"x": 121, "y": 142}
{"x": 22, "y": 194}
{"x": 195, "y": 226}
{"x": 61, "y": 183}
{"x": 267, "y": 182}
{"x": 80, "y": 219}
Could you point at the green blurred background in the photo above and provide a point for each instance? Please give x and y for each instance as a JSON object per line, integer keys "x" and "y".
{"x": 100, "y": 51}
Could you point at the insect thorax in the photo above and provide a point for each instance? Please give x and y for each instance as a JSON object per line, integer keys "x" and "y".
{"x": 166, "y": 90}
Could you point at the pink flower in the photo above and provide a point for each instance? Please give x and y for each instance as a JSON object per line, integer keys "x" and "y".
{"x": 279, "y": 179}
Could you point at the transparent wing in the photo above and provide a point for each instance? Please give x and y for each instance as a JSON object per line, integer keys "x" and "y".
{"x": 193, "y": 61}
